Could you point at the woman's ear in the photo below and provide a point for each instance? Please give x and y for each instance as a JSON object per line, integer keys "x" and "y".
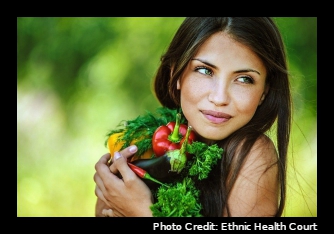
{"x": 262, "y": 98}
{"x": 264, "y": 95}
{"x": 178, "y": 86}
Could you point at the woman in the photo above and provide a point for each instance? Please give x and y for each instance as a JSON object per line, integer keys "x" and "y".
{"x": 229, "y": 76}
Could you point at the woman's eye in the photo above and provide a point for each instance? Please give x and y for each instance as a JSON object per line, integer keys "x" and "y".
{"x": 246, "y": 79}
{"x": 204, "y": 71}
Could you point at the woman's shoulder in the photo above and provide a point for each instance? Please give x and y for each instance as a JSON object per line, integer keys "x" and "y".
{"x": 264, "y": 141}
{"x": 256, "y": 189}
{"x": 263, "y": 151}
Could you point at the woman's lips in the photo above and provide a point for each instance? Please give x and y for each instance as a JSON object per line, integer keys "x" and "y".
{"x": 216, "y": 117}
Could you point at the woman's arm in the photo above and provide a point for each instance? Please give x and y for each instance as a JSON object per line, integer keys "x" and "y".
{"x": 128, "y": 196}
{"x": 256, "y": 190}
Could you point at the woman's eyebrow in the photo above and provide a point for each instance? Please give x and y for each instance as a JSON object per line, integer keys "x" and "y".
{"x": 248, "y": 70}
{"x": 238, "y": 71}
{"x": 205, "y": 62}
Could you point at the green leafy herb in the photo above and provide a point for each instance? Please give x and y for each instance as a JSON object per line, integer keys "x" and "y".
{"x": 178, "y": 200}
{"x": 181, "y": 199}
{"x": 205, "y": 157}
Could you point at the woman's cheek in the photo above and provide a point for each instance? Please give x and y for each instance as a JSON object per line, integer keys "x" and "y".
{"x": 246, "y": 104}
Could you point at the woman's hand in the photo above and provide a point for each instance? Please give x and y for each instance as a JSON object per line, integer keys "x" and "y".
{"x": 119, "y": 190}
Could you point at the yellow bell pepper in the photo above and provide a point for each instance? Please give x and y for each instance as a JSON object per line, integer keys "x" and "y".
{"x": 114, "y": 144}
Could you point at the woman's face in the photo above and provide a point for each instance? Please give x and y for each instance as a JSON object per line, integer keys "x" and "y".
{"x": 221, "y": 87}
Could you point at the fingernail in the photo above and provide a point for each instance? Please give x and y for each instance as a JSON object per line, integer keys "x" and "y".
{"x": 133, "y": 149}
{"x": 117, "y": 155}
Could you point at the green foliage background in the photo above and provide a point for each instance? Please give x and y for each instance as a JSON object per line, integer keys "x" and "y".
{"x": 78, "y": 77}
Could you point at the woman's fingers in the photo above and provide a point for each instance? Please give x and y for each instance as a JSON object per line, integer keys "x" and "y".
{"x": 105, "y": 180}
{"x": 102, "y": 164}
{"x": 111, "y": 213}
{"x": 110, "y": 180}
{"x": 99, "y": 194}
{"x": 112, "y": 167}
{"x": 120, "y": 164}
{"x": 126, "y": 153}
{"x": 117, "y": 186}
{"x": 107, "y": 212}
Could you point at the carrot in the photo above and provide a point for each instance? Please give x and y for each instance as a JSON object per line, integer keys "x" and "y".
{"x": 143, "y": 174}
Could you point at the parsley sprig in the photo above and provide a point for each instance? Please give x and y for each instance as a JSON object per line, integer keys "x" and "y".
{"x": 181, "y": 198}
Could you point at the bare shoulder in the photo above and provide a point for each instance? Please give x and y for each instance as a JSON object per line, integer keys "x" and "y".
{"x": 261, "y": 161}
{"x": 256, "y": 190}
{"x": 263, "y": 151}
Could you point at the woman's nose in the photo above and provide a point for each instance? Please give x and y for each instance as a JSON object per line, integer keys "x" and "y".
{"x": 219, "y": 94}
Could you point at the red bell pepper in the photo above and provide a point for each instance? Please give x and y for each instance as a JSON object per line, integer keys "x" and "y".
{"x": 170, "y": 137}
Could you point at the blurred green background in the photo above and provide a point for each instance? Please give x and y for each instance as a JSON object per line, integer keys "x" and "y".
{"x": 78, "y": 77}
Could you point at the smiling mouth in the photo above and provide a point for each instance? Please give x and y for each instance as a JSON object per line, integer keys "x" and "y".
{"x": 216, "y": 117}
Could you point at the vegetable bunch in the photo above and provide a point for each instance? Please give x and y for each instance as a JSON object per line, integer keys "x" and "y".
{"x": 169, "y": 160}
{"x": 171, "y": 137}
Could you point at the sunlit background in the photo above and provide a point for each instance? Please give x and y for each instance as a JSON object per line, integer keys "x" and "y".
{"x": 78, "y": 77}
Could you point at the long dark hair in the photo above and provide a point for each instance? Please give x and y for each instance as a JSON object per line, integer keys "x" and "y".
{"x": 263, "y": 37}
